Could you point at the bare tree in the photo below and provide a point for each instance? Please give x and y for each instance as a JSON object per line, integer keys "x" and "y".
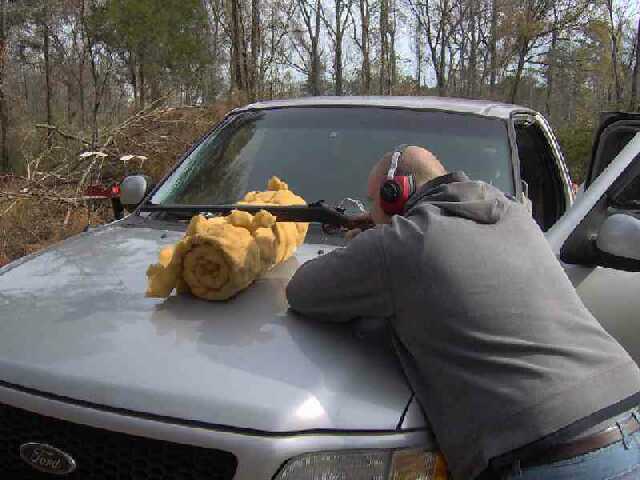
{"x": 435, "y": 19}
{"x": 274, "y": 53}
{"x": 219, "y": 33}
{"x": 256, "y": 44}
{"x": 311, "y": 12}
{"x": 635, "y": 77}
{"x": 533, "y": 24}
{"x": 100, "y": 71}
{"x": 551, "y": 59}
{"x": 336, "y": 29}
{"x": 493, "y": 48}
{"x": 79, "y": 44}
{"x": 45, "y": 27}
{"x": 613, "y": 32}
{"x": 418, "y": 51}
{"x": 4, "y": 119}
{"x": 383, "y": 75}
{"x": 474, "y": 10}
{"x": 238, "y": 48}
{"x": 364, "y": 45}
{"x": 245, "y": 55}
{"x": 392, "y": 60}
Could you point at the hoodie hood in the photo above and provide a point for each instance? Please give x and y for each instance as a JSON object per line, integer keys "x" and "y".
{"x": 457, "y": 195}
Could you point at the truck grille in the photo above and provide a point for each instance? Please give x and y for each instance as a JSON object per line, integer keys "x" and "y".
{"x": 102, "y": 454}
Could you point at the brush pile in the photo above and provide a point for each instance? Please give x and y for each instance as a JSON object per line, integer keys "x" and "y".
{"x": 52, "y": 200}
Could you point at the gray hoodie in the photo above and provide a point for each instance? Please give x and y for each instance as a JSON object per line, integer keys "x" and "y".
{"x": 505, "y": 352}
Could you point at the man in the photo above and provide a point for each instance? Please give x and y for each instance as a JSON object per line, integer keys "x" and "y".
{"x": 513, "y": 372}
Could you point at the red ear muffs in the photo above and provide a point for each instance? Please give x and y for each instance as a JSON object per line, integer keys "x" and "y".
{"x": 396, "y": 189}
{"x": 394, "y": 193}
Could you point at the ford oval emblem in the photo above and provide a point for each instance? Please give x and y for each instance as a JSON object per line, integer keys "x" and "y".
{"x": 47, "y": 459}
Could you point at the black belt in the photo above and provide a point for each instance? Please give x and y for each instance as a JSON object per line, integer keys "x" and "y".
{"x": 583, "y": 445}
{"x": 565, "y": 451}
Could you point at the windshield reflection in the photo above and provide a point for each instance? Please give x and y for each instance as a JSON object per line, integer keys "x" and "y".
{"x": 325, "y": 153}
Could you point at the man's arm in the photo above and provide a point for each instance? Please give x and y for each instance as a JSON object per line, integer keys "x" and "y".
{"x": 345, "y": 283}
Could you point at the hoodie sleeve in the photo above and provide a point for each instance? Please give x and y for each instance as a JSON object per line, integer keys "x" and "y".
{"x": 343, "y": 284}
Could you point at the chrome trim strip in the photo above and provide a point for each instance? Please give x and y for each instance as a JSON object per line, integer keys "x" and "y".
{"x": 559, "y": 159}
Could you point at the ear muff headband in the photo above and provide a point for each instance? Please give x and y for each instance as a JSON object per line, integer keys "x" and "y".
{"x": 396, "y": 189}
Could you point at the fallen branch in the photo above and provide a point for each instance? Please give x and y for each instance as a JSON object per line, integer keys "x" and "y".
{"x": 62, "y": 133}
{"x": 41, "y": 196}
{"x": 9, "y": 208}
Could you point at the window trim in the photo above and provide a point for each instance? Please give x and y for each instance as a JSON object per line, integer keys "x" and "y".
{"x": 559, "y": 164}
{"x": 559, "y": 161}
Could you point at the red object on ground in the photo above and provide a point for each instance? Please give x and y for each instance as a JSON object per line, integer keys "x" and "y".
{"x": 100, "y": 191}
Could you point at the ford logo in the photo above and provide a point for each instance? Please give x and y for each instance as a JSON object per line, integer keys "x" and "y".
{"x": 47, "y": 459}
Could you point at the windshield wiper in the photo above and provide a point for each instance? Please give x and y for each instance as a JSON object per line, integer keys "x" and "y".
{"x": 314, "y": 212}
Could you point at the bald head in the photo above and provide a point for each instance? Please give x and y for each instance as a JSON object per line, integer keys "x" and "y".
{"x": 416, "y": 161}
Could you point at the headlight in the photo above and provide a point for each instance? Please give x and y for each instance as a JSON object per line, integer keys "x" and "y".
{"x": 366, "y": 465}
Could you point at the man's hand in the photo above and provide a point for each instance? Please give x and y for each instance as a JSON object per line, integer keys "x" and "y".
{"x": 357, "y": 224}
{"x": 361, "y": 221}
{"x": 353, "y": 233}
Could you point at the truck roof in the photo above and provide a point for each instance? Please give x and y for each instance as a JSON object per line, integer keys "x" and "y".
{"x": 485, "y": 108}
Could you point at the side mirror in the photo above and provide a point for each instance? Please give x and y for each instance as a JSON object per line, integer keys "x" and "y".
{"x": 133, "y": 189}
{"x": 619, "y": 240}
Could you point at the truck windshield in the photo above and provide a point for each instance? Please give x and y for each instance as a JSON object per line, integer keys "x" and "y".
{"x": 325, "y": 153}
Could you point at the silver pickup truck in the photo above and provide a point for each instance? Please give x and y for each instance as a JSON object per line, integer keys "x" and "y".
{"x": 99, "y": 382}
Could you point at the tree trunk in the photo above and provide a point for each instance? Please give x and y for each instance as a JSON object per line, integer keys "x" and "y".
{"x": 462, "y": 49}
{"x": 238, "y": 79}
{"x": 473, "y": 51}
{"x": 384, "y": 27}
{"x": 493, "y": 42}
{"x": 272, "y": 53}
{"x": 635, "y": 78}
{"x": 440, "y": 73}
{"x": 393, "y": 72}
{"x": 338, "y": 67}
{"x": 94, "y": 122}
{"x": 366, "y": 62}
{"x": 142, "y": 86}
{"x": 614, "y": 53}
{"x": 155, "y": 89}
{"x": 133, "y": 78}
{"x": 25, "y": 83}
{"x": 551, "y": 68}
{"x": 81, "y": 64}
{"x": 81, "y": 101}
{"x": 315, "y": 52}
{"x": 522, "y": 55}
{"x": 214, "y": 55}
{"x": 338, "y": 47}
{"x": 68, "y": 112}
{"x": 418, "y": 47}
{"x": 255, "y": 49}
{"x": 212, "y": 92}
{"x": 4, "y": 120}
{"x": 96, "y": 99}
{"x": 47, "y": 72}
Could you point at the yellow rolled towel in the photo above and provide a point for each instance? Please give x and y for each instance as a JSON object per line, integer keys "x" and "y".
{"x": 221, "y": 256}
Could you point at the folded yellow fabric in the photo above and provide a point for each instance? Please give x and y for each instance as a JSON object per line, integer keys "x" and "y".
{"x": 220, "y": 256}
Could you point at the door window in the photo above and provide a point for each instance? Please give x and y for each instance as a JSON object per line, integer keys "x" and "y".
{"x": 538, "y": 169}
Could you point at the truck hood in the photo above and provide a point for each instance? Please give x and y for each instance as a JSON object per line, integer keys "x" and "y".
{"x": 74, "y": 322}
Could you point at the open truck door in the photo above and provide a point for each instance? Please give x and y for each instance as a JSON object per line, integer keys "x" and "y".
{"x": 598, "y": 238}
